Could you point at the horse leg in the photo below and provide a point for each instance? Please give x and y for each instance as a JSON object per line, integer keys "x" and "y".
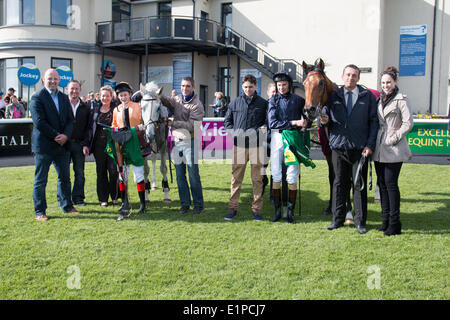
{"x": 154, "y": 185}
{"x": 165, "y": 183}
{"x": 147, "y": 184}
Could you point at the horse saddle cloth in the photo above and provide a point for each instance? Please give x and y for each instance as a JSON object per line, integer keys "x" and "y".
{"x": 121, "y": 136}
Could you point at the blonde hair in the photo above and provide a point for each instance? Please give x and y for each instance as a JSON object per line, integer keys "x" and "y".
{"x": 219, "y": 95}
{"x": 108, "y": 88}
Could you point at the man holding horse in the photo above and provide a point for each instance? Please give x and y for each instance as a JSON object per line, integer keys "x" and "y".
{"x": 188, "y": 112}
{"x": 126, "y": 116}
{"x": 285, "y": 112}
{"x": 351, "y": 116}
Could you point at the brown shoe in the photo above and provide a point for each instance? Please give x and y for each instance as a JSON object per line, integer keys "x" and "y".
{"x": 42, "y": 218}
{"x": 73, "y": 211}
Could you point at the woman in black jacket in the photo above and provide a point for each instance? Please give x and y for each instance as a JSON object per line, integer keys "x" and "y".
{"x": 106, "y": 168}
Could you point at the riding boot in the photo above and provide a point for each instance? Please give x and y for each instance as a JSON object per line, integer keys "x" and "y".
{"x": 141, "y": 192}
{"x": 291, "y": 205}
{"x": 277, "y": 204}
{"x": 125, "y": 207}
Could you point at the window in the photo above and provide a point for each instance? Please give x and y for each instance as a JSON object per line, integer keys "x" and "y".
{"x": 121, "y": 10}
{"x": 227, "y": 12}
{"x": 28, "y": 11}
{"x": 60, "y": 12}
{"x": 2, "y": 4}
{"x": 58, "y": 62}
{"x": 8, "y": 76}
{"x": 164, "y": 9}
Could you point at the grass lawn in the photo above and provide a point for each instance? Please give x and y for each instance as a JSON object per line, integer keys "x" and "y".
{"x": 166, "y": 255}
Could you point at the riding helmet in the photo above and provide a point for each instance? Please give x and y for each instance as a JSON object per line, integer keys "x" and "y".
{"x": 283, "y": 76}
{"x": 123, "y": 86}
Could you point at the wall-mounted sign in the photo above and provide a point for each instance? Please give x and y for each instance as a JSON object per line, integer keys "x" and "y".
{"x": 29, "y": 74}
{"x": 109, "y": 69}
{"x": 110, "y": 83}
{"x": 413, "y": 49}
{"x": 160, "y": 74}
{"x": 65, "y": 75}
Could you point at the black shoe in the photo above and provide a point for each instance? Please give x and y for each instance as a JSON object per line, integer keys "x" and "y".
{"x": 197, "y": 210}
{"x": 184, "y": 209}
{"x": 334, "y": 226}
{"x": 393, "y": 229}
{"x": 361, "y": 229}
{"x": 384, "y": 226}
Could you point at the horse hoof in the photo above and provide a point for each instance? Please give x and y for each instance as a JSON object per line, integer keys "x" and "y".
{"x": 167, "y": 200}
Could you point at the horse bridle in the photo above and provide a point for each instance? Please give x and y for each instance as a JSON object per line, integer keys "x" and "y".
{"x": 150, "y": 121}
{"x": 325, "y": 87}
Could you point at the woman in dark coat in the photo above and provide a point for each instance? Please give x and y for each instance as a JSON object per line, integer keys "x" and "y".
{"x": 106, "y": 168}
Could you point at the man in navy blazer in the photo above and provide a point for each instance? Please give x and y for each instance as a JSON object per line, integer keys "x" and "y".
{"x": 52, "y": 127}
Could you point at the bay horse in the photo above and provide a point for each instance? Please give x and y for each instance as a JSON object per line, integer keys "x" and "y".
{"x": 154, "y": 116}
{"x": 318, "y": 88}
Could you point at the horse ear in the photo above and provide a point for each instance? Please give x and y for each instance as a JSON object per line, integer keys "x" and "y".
{"x": 304, "y": 65}
{"x": 320, "y": 64}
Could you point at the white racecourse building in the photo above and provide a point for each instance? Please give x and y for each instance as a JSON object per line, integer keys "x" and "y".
{"x": 216, "y": 41}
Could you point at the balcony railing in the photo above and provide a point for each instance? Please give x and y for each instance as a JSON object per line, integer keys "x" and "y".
{"x": 199, "y": 31}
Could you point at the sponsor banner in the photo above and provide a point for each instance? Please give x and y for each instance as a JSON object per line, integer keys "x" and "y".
{"x": 15, "y": 137}
{"x": 65, "y": 75}
{"x": 430, "y": 136}
{"x": 29, "y": 74}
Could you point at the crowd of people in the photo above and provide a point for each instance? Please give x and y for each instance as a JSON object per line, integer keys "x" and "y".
{"x": 359, "y": 126}
{"x": 11, "y": 106}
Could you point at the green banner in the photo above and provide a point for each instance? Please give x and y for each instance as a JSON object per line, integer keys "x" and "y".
{"x": 429, "y": 136}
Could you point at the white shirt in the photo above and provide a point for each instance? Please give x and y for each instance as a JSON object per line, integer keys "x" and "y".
{"x": 75, "y": 108}
{"x": 355, "y": 93}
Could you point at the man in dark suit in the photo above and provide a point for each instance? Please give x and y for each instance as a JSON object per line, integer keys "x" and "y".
{"x": 79, "y": 140}
{"x": 52, "y": 127}
{"x": 351, "y": 117}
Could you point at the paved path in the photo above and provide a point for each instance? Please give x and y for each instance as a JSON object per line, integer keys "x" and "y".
{"x": 316, "y": 154}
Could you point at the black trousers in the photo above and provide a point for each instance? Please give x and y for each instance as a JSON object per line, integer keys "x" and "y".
{"x": 107, "y": 175}
{"x": 387, "y": 178}
{"x": 345, "y": 165}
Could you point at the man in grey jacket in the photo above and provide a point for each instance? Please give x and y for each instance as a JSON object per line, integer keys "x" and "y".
{"x": 188, "y": 112}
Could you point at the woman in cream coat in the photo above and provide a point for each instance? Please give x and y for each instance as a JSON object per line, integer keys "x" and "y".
{"x": 395, "y": 118}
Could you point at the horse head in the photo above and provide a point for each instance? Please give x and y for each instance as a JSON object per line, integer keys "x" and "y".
{"x": 317, "y": 88}
{"x": 151, "y": 108}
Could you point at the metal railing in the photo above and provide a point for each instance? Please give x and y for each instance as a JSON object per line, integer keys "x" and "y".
{"x": 176, "y": 28}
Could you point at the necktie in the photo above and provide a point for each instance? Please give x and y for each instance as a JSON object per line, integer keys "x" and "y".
{"x": 349, "y": 103}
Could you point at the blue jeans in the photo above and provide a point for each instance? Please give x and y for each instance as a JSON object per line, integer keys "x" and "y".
{"x": 77, "y": 157}
{"x": 61, "y": 162}
{"x": 183, "y": 155}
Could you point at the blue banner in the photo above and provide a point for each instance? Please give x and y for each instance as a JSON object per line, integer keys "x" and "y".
{"x": 65, "y": 75}
{"x": 413, "y": 49}
{"x": 29, "y": 74}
